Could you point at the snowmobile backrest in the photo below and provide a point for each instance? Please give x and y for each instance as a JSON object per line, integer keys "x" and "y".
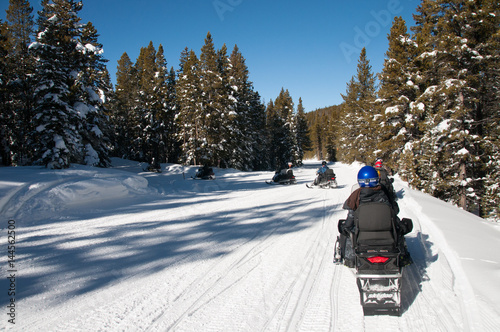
{"x": 329, "y": 173}
{"x": 375, "y": 225}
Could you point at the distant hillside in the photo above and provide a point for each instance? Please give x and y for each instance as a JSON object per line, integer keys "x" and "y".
{"x": 321, "y": 130}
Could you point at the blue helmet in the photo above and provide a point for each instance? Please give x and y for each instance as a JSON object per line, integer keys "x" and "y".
{"x": 368, "y": 177}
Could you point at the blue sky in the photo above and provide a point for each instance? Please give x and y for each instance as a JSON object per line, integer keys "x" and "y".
{"x": 309, "y": 47}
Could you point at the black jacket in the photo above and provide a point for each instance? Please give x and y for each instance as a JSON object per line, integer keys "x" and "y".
{"x": 366, "y": 195}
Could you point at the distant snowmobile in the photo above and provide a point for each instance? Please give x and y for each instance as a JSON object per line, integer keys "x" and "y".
{"x": 285, "y": 176}
{"x": 205, "y": 173}
{"x": 325, "y": 180}
{"x": 377, "y": 258}
{"x": 153, "y": 167}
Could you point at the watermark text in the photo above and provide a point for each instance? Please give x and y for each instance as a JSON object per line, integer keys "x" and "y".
{"x": 11, "y": 271}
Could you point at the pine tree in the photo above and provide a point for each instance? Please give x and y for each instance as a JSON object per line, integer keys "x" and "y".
{"x": 357, "y": 141}
{"x": 331, "y": 137}
{"x": 91, "y": 89}
{"x": 172, "y": 144}
{"x": 247, "y": 132}
{"x": 6, "y": 114}
{"x": 125, "y": 97}
{"x": 70, "y": 79}
{"x": 348, "y": 124}
{"x": 20, "y": 64}
{"x": 258, "y": 138}
{"x": 225, "y": 127}
{"x": 397, "y": 92}
{"x": 319, "y": 135}
{"x": 144, "y": 112}
{"x": 490, "y": 99}
{"x": 213, "y": 106}
{"x": 56, "y": 138}
{"x": 303, "y": 140}
{"x": 190, "y": 120}
{"x": 466, "y": 60}
{"x": 165, "y": 104}
{"x": 274, "y": 125}
{"x": 280, "y": 129}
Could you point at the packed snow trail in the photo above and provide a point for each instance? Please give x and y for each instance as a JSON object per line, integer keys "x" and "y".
{"x": 234, "y": 254}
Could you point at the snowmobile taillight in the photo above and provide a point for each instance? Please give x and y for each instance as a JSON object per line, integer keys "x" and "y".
{"x": 378, "y": 259}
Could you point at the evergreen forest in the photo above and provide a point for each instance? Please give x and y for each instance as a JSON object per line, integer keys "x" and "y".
{"x": 432, "y": 114}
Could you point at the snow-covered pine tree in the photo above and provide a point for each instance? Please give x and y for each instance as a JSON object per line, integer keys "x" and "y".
{"x": 274, "y": 125}
{"x": 56, "y": 140}
{"x": 189, "y": 119}
{"x": 331, "y": 136}
{"x": 463, "y": 33}
{"x": 144, "y": 113}
{"x": 359, "y": 119}
{"x": 319, "y": 135}
{"x": 238, "y": 95}
{"x": 369, "y": 122}
{"x": 165, "y": 103}
{"x": 416, "y": 159}
{"x": 490, "y": 93}
{"x": 249, "y": 119}
{"x": 172, "y": 144}
{"x": 396, "y": 93}
{"x": 91, "y": 89}
{"x": 348, "y": 124}
{"x": 257, "y": 133}
{"x": 19, "y": 93}
{"x": 226, "y": 129}
{"x": 303, "y": 141}
{"x": 6, "y": 114}
{"x": 156, "y": 128}
{"x": 280, "y": 130}
{"x": 214, "y": 109}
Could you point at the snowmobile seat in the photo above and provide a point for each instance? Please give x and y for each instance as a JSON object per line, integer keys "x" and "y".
{"x": 375, "y": 226}
{"x": 329, "y": 174}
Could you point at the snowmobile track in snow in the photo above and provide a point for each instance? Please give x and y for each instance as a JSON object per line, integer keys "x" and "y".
{"x": 215, "y": 285}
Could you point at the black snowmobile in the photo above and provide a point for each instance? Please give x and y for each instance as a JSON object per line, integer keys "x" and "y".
{"x": 205, "y": 173}
{"x": 378, "y": 257}
{"x": 285, "y": 176}
{"x": 154, "y": 167}
{"x": 325, "y": 180}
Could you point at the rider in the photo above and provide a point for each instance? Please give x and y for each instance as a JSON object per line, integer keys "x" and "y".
{"x": 320, "y": 172}
{"x": 283, "y": 172}
{"x": 384, "y": 179}
{"x": 369, "y": 190}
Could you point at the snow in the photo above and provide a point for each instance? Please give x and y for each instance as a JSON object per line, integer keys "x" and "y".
{"x": 82, "y": 109}
{"x": 392, "y": 109}
{"x": 120, "y": 249}
{"x": 443, "y": 126}
{"x": 420, "y": 106}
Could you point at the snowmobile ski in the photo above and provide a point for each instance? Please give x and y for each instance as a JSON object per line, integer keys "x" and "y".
{"x": 283, "y": 182}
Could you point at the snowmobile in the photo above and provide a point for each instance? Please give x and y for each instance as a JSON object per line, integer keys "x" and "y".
{"x": 325, "y": 180}
{"x": 378, "y": 258}
{"x": 285, "y": 176}
{"x": 205, "y": 173}
{"x": 153, "y": 167}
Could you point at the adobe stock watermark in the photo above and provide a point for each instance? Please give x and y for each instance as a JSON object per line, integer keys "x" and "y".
{"x": 372, "y": 29}
{"x": 224, "y": 6}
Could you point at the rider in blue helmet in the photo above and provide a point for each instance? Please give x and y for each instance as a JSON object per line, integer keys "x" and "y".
{"x": 369, "y": 190}
{"x": 368, "y": 177}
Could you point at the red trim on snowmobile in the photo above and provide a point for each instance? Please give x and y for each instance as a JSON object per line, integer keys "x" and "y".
{"x": 377, "y": 259}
